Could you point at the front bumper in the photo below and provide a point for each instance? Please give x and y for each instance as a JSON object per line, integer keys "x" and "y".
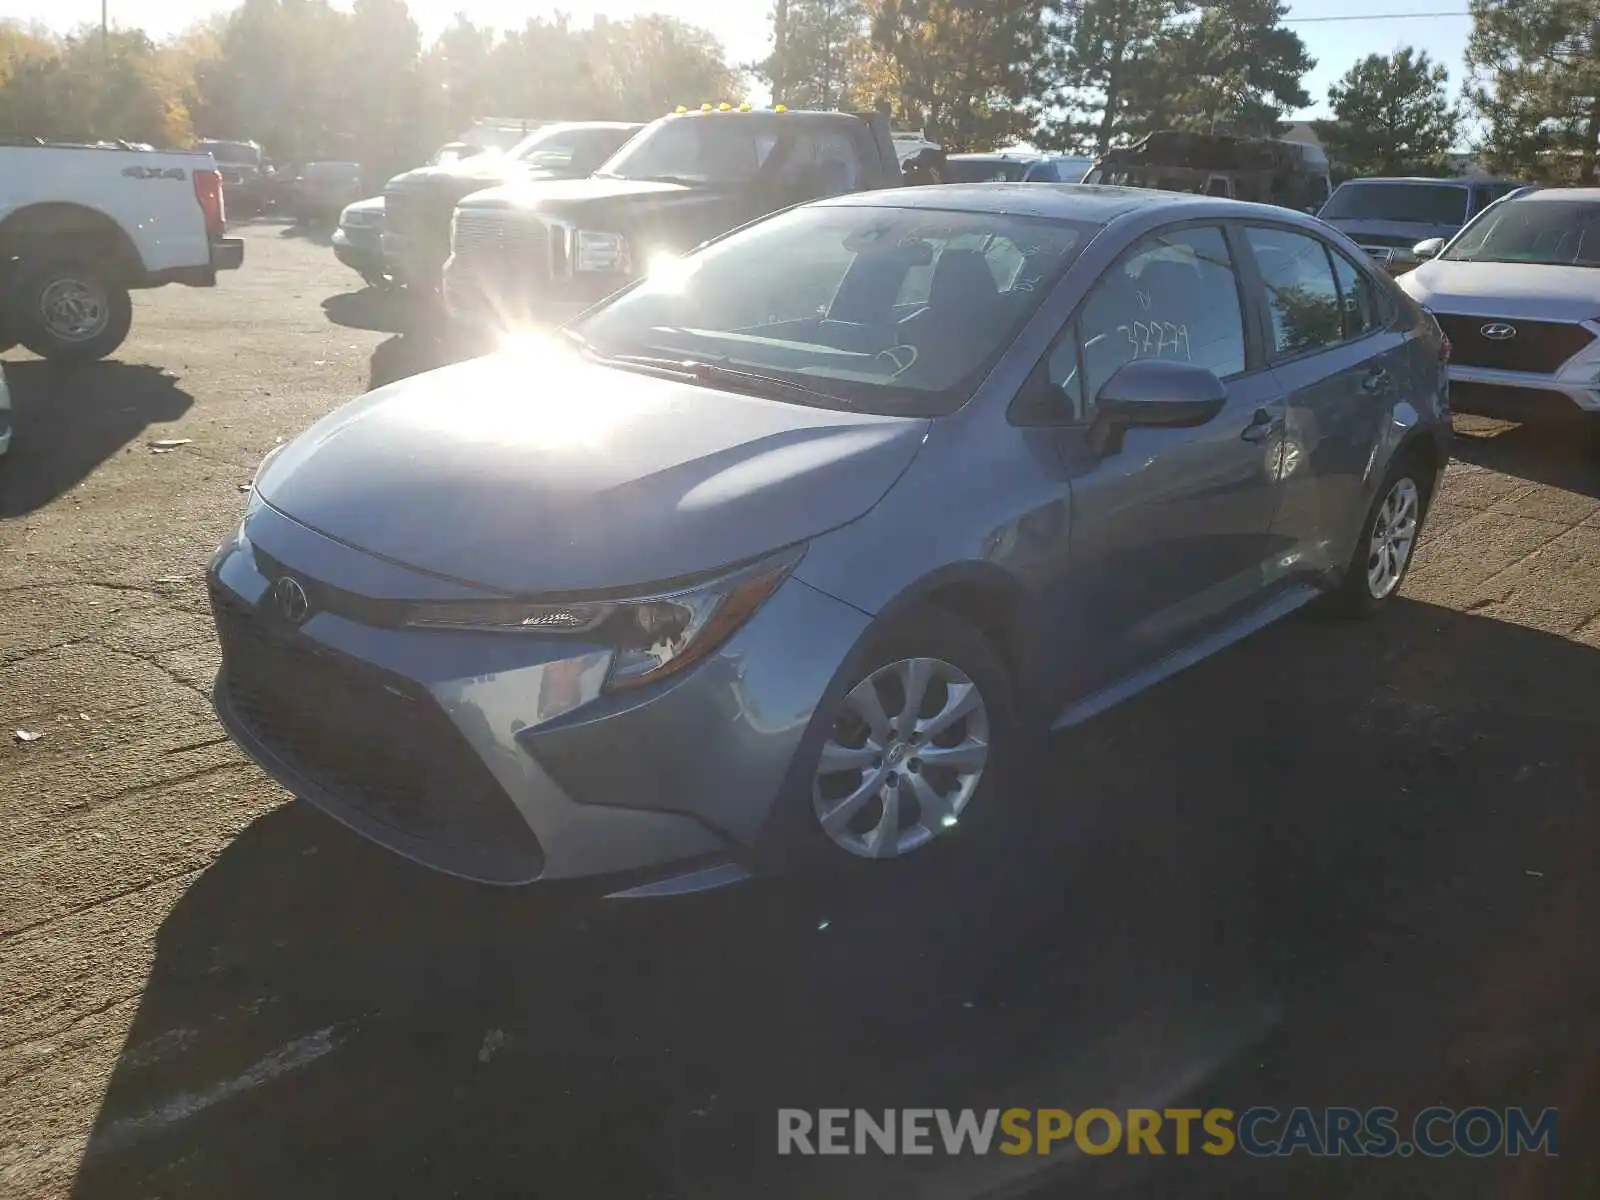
{"x": 361, "y": 250}
{"x": 482, "y": 299}
{"x": 497, "y": 758}
{"x": 227, "y": 254}
{"x": 1515, "y": 394}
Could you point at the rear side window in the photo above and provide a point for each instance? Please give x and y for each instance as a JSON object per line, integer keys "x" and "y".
{"x": 1301, "y": 294}
{"x": 1357, "y": 302}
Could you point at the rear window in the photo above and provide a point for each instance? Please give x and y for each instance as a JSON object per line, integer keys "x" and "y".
{"x": 992, "y": 171}
{"x": 1415, "y": 203}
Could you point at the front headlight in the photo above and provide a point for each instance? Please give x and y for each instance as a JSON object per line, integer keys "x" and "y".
{"x": 651, "y": 636}
{"x": 595, "y": 251}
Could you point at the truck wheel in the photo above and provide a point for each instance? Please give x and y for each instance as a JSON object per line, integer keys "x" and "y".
{"x": 66, "y": 311}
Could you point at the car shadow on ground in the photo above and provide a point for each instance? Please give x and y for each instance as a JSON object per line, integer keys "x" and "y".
{"x": 1339, "y": 864}
{"x": 70, "y": 418}
{"x": 1559, "y": 454}
{"x": 321, "y": 232}
{"x": 379, "y": 310}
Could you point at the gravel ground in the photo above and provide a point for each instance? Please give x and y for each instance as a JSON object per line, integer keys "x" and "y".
{"x": 1347, "y": 864}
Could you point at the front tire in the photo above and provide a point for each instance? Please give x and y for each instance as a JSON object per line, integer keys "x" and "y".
{"x": 906, "y": 757}
{"x": 1388, "y": 540}
{"x": 67, "y": 311}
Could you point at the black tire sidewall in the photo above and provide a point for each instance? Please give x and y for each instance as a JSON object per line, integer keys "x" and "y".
{"x": 794, "y": 842}
{"x": 30, "y": 331}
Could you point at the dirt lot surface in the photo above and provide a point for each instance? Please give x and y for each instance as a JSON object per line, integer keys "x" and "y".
{"x": 1340, "y": 864}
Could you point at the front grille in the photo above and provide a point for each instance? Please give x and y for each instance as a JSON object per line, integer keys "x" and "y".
{"x": 422, "y": 217}
{"x": 511, "y": 241}
{"x": 373, "y": 742}
{"x": 1540, "y": 347}
{"x": 1388, "y": 241}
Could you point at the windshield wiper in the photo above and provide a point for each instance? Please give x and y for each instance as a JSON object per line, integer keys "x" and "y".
{"x": 708, "y": 374}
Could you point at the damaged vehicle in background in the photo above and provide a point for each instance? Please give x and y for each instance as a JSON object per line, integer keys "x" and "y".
{"x": 721, "y": 579}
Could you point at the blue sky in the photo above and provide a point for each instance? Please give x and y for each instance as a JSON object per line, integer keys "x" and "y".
{"x": 746, "y": 31}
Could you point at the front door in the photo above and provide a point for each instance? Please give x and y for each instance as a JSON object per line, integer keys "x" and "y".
{"x": 1171, "y": 534}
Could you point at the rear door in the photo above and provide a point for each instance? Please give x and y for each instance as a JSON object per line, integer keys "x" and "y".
{"x": 1171, "y": 533}
{"x": 1340, "y": 363}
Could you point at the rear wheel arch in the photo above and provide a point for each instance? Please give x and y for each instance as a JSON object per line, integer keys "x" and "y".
{"x": 75, "y": 231}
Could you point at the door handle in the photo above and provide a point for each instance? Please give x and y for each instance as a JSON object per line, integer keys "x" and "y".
{"x": 1262, "y": 426}
{"x": 1377, "y": 380}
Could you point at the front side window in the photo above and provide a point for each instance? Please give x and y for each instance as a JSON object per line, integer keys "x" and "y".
{"x": 821, "y": 164}
{"x": 1549, "y": 232}
{"x": 1300, "y": 291}
{"x": 1173, "y": 296}
{"x": 850, "y": 338}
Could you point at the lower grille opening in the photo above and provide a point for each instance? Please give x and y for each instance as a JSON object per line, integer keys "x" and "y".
{"x": 375, "y": 744}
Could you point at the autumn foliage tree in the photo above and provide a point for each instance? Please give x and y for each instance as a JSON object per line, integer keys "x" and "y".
{"x": 311, "y": 80}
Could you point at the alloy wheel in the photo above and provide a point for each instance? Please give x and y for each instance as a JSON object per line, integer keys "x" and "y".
{"x": 74, "y": 310}
{"x": 1394, "y": 533}
{"x": 905, "y": 755}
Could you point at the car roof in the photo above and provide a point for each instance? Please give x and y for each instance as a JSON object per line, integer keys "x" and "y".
{"x": 995, "y": 156}
{"x": 1562, "y": 193}
{"x": 585, "y": 125}
{"x": 1452, "y": 181}
{"x": 1066, "y": 201}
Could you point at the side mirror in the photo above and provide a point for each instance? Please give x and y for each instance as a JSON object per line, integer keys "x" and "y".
{"x": 1431, "y": 248}
{"x": 1155, "y": 393}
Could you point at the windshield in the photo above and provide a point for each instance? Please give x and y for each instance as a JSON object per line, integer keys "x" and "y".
{"x": 890, "y": 310}
{"x": 564, "y": 147}
{"x": 1412, "y": 203}
{"x": 231, "y": 152}
{"x": 719, "y": 150}
{"x": 993, "y": 170}
{"x": 1552, "y": 232}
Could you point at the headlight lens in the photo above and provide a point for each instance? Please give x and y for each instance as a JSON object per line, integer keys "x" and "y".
{"x": 594, "y": 251}
{"x": 652, "y": 637}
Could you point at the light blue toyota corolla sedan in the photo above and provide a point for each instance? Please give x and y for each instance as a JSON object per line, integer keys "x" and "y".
{"x": 779, "y": 554}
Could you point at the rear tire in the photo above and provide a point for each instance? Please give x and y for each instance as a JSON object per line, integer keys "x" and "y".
{"x": 1388, "y": 540}
{"x": 67, "y": 311}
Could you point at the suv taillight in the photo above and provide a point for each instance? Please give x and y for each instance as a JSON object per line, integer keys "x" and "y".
{"x": 208, "y": 190}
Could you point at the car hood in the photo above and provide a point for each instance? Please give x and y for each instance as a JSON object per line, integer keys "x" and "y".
{"x": 1408, "y": 233}
{"x": 539, "y": 471}
{"x": 469, "y": 175}
{"x": 1527, "y": 291}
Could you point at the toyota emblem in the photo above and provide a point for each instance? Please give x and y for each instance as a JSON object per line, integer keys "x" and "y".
{"x": 294, "y": 605}
{"x": 1499, "y": 331}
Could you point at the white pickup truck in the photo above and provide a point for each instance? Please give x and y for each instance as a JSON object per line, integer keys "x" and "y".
{"x": 82, "y": 226}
